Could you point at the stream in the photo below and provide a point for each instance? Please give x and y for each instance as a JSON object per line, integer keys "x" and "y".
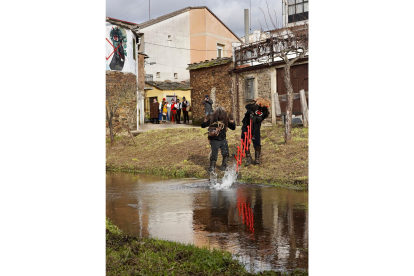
{"x": 264, "y": 227}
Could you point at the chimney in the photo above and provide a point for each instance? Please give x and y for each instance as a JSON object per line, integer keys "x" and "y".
{"x": 246, "y": 26}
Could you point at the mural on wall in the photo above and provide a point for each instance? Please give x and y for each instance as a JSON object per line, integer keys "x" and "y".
{"x": 119, "y": 43}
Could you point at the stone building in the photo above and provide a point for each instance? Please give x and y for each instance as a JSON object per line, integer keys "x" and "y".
{"x": 233, "y": 88}
{"x": 211, "y": 78}
{"x": 266, "y": 81}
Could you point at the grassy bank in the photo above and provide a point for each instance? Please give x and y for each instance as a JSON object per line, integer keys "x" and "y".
{"x": 126, "y": 255}
{"x": 184, "y": 152}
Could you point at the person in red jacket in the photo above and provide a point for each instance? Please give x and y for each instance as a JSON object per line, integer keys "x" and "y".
{"x": 173, "y": 111}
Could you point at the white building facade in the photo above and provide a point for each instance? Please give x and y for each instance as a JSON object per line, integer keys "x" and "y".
{"x": 167, "y": 44}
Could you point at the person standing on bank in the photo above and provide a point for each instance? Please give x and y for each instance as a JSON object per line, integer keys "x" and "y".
{"x": 173, "y": 111}
{"x": 185, "y": 105}
{"x": 208, "y": 105}
{"x": 154, "y": 111}
{"x": 178, "y": 114}
{"x": 257, "y": 111}
{"x": 218, "y": 121}
{"x": 164, "y": 111}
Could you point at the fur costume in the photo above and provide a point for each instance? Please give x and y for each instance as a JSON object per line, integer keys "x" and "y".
{"x": 257, "y": 112}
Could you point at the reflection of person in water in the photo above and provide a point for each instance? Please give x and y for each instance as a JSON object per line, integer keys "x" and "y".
{"x": 118, "y": 60}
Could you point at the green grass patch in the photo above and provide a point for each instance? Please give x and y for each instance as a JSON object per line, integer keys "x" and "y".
{"x": 127, "y": 255}
{"x": 184, "y": 152}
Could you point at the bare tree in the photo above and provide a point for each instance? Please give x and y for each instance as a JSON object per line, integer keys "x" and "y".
{"x": 289, "y": 44}
{"x": 130, "y": 108}
{"x": 120, "y": 95}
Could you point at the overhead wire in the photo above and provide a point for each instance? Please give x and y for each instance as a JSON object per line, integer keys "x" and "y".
{"x": 133, "y": 9}
{"x": 182, "y": 48}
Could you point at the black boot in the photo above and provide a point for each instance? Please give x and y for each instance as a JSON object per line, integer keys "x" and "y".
{"x": 212, "y": 166}
{"x": 257, "y": 152}
{"x": 223, "y": 166}
{"x": 248, "y": 157}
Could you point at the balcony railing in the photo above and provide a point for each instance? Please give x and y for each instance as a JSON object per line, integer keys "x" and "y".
{"x": 148, "y": 78}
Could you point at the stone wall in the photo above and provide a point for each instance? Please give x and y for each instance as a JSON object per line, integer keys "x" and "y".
{"x": 262, "y": 83}
{"x": 214, "y": 81}
{"x": 116, "y": 81}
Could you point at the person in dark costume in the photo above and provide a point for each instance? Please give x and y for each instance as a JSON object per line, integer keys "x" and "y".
{"x": 208, "y": 105}
{"x": 221, "y": 120}
{"x": 155, "y": 111}
{"x": 185, "y": 105}
{"x": 178, "y": 114}
{"x": 257, "y": 111}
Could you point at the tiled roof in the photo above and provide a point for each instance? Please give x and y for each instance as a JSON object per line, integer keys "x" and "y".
{"x": 164, "y": 85}
{"x": 169, "y": 15}
{"x": 127, "y": 22}
{"x": 210, "y": 63}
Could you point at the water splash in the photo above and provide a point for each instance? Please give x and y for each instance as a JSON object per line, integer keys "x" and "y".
{"x": 229, "y": 178}
{"x": 213, "y": 178}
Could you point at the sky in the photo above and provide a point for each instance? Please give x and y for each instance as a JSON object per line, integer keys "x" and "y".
{"x": 231, "y": 12}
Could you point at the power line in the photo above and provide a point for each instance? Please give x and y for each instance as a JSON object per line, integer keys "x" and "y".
{"x": 139, "y": 5}
{"x": 182, "y": 48}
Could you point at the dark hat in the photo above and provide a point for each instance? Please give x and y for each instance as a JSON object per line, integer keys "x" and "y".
{"x": 183, "y": 98}
{"x": 207, "y": 96}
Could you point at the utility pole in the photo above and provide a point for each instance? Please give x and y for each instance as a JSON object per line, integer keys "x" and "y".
{"x": 250, "y": 16}
{"x": 246, "y": 26}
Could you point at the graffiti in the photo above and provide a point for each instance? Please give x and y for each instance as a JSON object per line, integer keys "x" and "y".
{"x": 119, "y": 44}
{"x": 113, "y": 50}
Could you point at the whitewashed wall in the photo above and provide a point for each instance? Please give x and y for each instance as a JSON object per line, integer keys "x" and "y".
{"x": 130, "y": 65}
{"x": 168, "y": 60}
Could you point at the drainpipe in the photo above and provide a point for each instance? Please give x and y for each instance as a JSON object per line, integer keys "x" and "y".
{"x": 137, "y": 60}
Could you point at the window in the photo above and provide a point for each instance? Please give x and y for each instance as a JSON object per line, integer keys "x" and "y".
{"x": 298, "y": 10}
{"x": 175, "y": 76}
{"x": 249, "y": 89}
{"x": 169, "y": 37}
{"x": 220, "y": 50}
{"x": 158, "y": 75}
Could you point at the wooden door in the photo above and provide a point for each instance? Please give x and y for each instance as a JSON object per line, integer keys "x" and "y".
{"x": 299, "y": 79}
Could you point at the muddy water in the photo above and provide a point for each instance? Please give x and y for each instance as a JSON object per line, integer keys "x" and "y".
{"x": 265, "y": 227}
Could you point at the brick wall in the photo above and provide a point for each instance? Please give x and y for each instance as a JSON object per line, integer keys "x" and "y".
{"x": 119, "y": 80}
{"x": 214, "y": 81}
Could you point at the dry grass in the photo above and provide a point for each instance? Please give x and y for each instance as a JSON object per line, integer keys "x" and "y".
{"x": 184, "y": 152}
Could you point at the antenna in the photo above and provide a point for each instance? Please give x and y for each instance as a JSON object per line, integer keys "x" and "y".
{"x": 149, "y": 9}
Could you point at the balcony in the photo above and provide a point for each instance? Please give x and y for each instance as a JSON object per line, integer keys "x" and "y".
{"x": 149, "y": 78}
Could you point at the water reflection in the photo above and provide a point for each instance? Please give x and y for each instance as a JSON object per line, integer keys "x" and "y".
{"x": 266, "y": 227}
